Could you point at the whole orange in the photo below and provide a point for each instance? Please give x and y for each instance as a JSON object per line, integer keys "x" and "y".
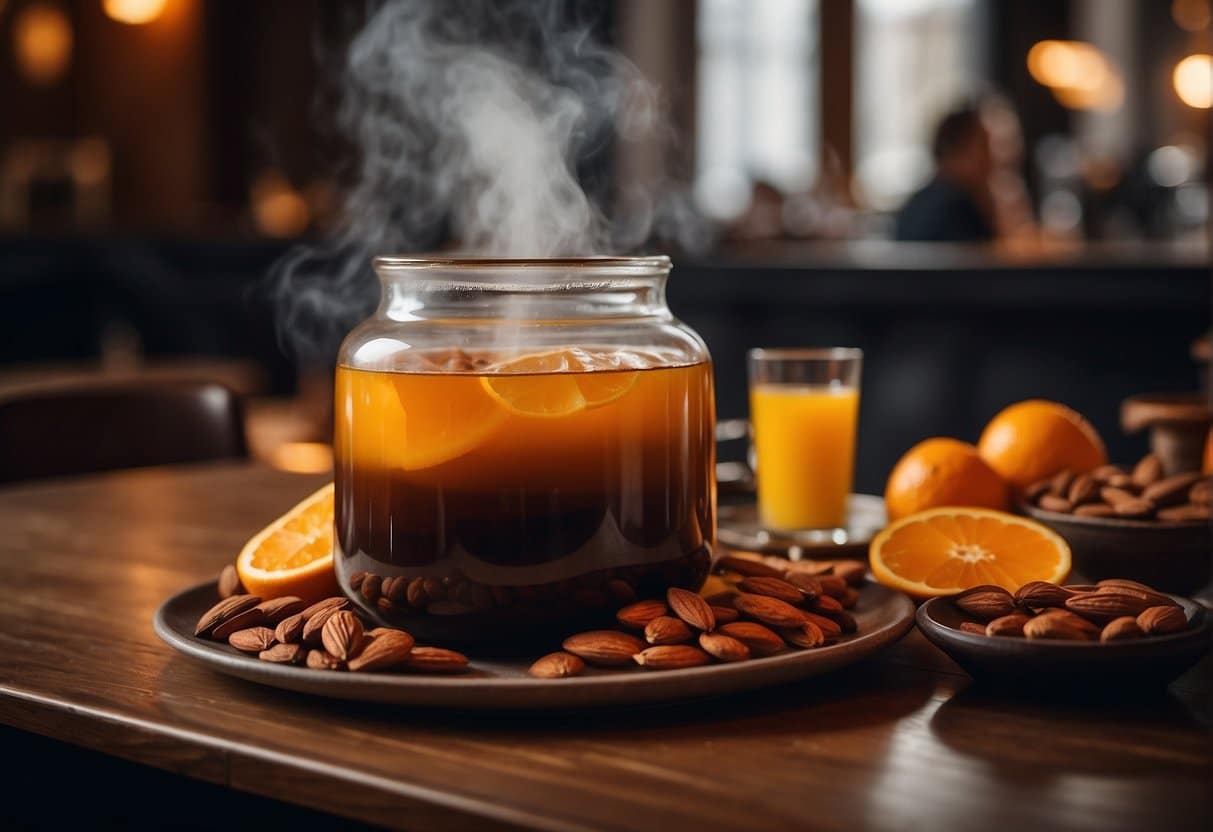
{"x": 942, "y": 472}
{"x": 1035, "y": 439}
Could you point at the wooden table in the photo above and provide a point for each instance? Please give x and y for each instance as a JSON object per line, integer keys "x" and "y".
{"x": 900, "y": 742}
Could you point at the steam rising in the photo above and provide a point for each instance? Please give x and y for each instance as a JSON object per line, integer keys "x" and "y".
{"x": 469, "y": 120}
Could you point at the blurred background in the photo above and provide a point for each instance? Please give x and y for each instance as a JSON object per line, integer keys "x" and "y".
{"x": 997, "y": 200}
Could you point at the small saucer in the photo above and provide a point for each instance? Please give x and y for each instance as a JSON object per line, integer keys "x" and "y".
{"x": 738, "y": 526}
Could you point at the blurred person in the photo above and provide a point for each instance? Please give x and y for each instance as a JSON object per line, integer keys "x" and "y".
{"x": 957, "y": 204}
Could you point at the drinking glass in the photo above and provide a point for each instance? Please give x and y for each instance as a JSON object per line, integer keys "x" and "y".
{"x": 804, "y": 409}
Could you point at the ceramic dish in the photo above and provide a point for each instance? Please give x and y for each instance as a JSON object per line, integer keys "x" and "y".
{"x": 883, "y": 615}
{"x": 1172, "y": 557}
{"x": 1038, "y": 664}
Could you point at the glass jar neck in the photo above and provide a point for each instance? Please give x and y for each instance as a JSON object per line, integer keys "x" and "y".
{"x": 523, "y": 290}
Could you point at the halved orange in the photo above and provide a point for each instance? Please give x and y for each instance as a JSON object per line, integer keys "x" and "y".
{"x": 556, "y": 383}
{"x": 943, "y": 551}
{"x": 294, "y": 554}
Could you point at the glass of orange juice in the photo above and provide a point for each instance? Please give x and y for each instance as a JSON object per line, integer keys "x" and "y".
{"x": 804, "y": 411}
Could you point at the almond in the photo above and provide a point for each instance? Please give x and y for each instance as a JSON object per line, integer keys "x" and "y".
{"x": 1201, "y": 493}
{"x": 338, "y": 602}
{"x": 1121, "y": 629}
{"x": 341, "y": 634}
{"x": 313, "y": 626}
{"x": 1007, "y": 625}
{"x": 1106, "y": 472}
{"x": 1037, "y": 489}
{"x": 1084, "y": 489}
{"x": 1095, "y": 510}
{"x": 252, "y": 640}
{"x": 277, "y": 609}
{"x": 1147, "y": 593}
{"x": 985, "y": 602}
{"x": 808, "y": 635}
{"x": 357, "y": 578}
{"x": 371, "y": 587}
{"x": 241, "y": 621}
{"x": 557, "y": 666}
{"x": 282, "y": 654}
{"x": 436, "y": 660}
{"x": 608, "y": 648}
{"x": 1051, "y": 502}
{"x": 229, "y": 582}
{"x": 1147, "y": 472}
{"x": 769, "y": 610}
{"x": 852, "y": 571}
{"x": 749, "y": 567}
{"x": 1121, "y": 481}
{"x": 724, "y": 615}
{"x": 637, "y": 616}
{"x": 666, "y": 629}
{"x": 761, "y": 640}
{"x": 322, "y": 660}
{"x": 690, "y": 608}
{"x": 972, "y": 627}
{"x": 725, "y": 648}
{"x": 384, "y": 650}
{"x": 1171, "y": 490}
{"x": 1060, "y": 484}
{"x": 1060, "y": 624}
{"x": 671, "y": 657}
{"x": 1187, "y": 513}
{"x": 1125, "y": 503}
{"x": 225, "y": 610}
{"x": 1041, "y": 594}
{"x": 832, "y": 585}
{"x": 809, "y": 585}
{"x": 1107, "y": 603}
{"x": 825, "y": 605}
{"x": 830, "y": 629}
{"x": 772, "y": 587}
{"x": 290, "y": 629}
{"x": 1158, "y": 621}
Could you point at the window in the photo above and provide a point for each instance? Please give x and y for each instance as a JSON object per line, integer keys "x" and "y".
{"x": 914, "y": 59}
{"x": 758, "y": 100}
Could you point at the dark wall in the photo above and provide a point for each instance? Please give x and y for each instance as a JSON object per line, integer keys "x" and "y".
{"x": 946, "y": 348}
{"x": 949, "y": 339}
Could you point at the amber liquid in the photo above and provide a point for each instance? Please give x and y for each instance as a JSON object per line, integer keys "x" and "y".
{"x": 509, "y": 498}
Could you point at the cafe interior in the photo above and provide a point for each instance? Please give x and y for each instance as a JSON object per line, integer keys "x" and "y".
{"x": 191, "y": 192}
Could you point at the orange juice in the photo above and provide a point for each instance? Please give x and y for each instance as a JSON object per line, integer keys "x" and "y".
{"x": 526, "y": 487}
{"x": 804, "y": 440}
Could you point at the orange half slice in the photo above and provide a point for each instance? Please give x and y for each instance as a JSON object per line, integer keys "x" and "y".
{"x": 556, "y": 383}
{"x": 294, "y": 554}
{"x": 943, "y": 551}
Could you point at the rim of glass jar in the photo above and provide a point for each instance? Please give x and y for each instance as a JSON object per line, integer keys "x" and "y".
{"x": 393, "y": 262}
{"x": 805, "y": 353}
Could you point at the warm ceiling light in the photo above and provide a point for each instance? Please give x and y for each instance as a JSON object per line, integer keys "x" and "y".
{"x": 278, "y": 209}
{"x": 42, "y": 43}
{"x": 1192, "y": 15}
{"x": 1193, "y": 79}
{"x": 134, "y": 11}
{"x": 1080, "y": 76}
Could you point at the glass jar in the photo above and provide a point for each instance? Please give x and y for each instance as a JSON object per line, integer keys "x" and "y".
{"x": 521, "y": 443}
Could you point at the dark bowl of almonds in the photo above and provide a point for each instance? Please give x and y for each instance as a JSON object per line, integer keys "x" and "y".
{"x": 1134, "y": 522}
{"x": 1044, "y": 637}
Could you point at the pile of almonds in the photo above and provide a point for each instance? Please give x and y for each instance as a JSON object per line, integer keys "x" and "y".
{"x": 326, "y": 635}
{"x": 1112, "y": 610}
{"x": 772, "y": 604}
{"x": 1110, "y": 491}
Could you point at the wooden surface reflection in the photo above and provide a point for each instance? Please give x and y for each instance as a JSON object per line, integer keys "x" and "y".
{"x": 900, "y": 742}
